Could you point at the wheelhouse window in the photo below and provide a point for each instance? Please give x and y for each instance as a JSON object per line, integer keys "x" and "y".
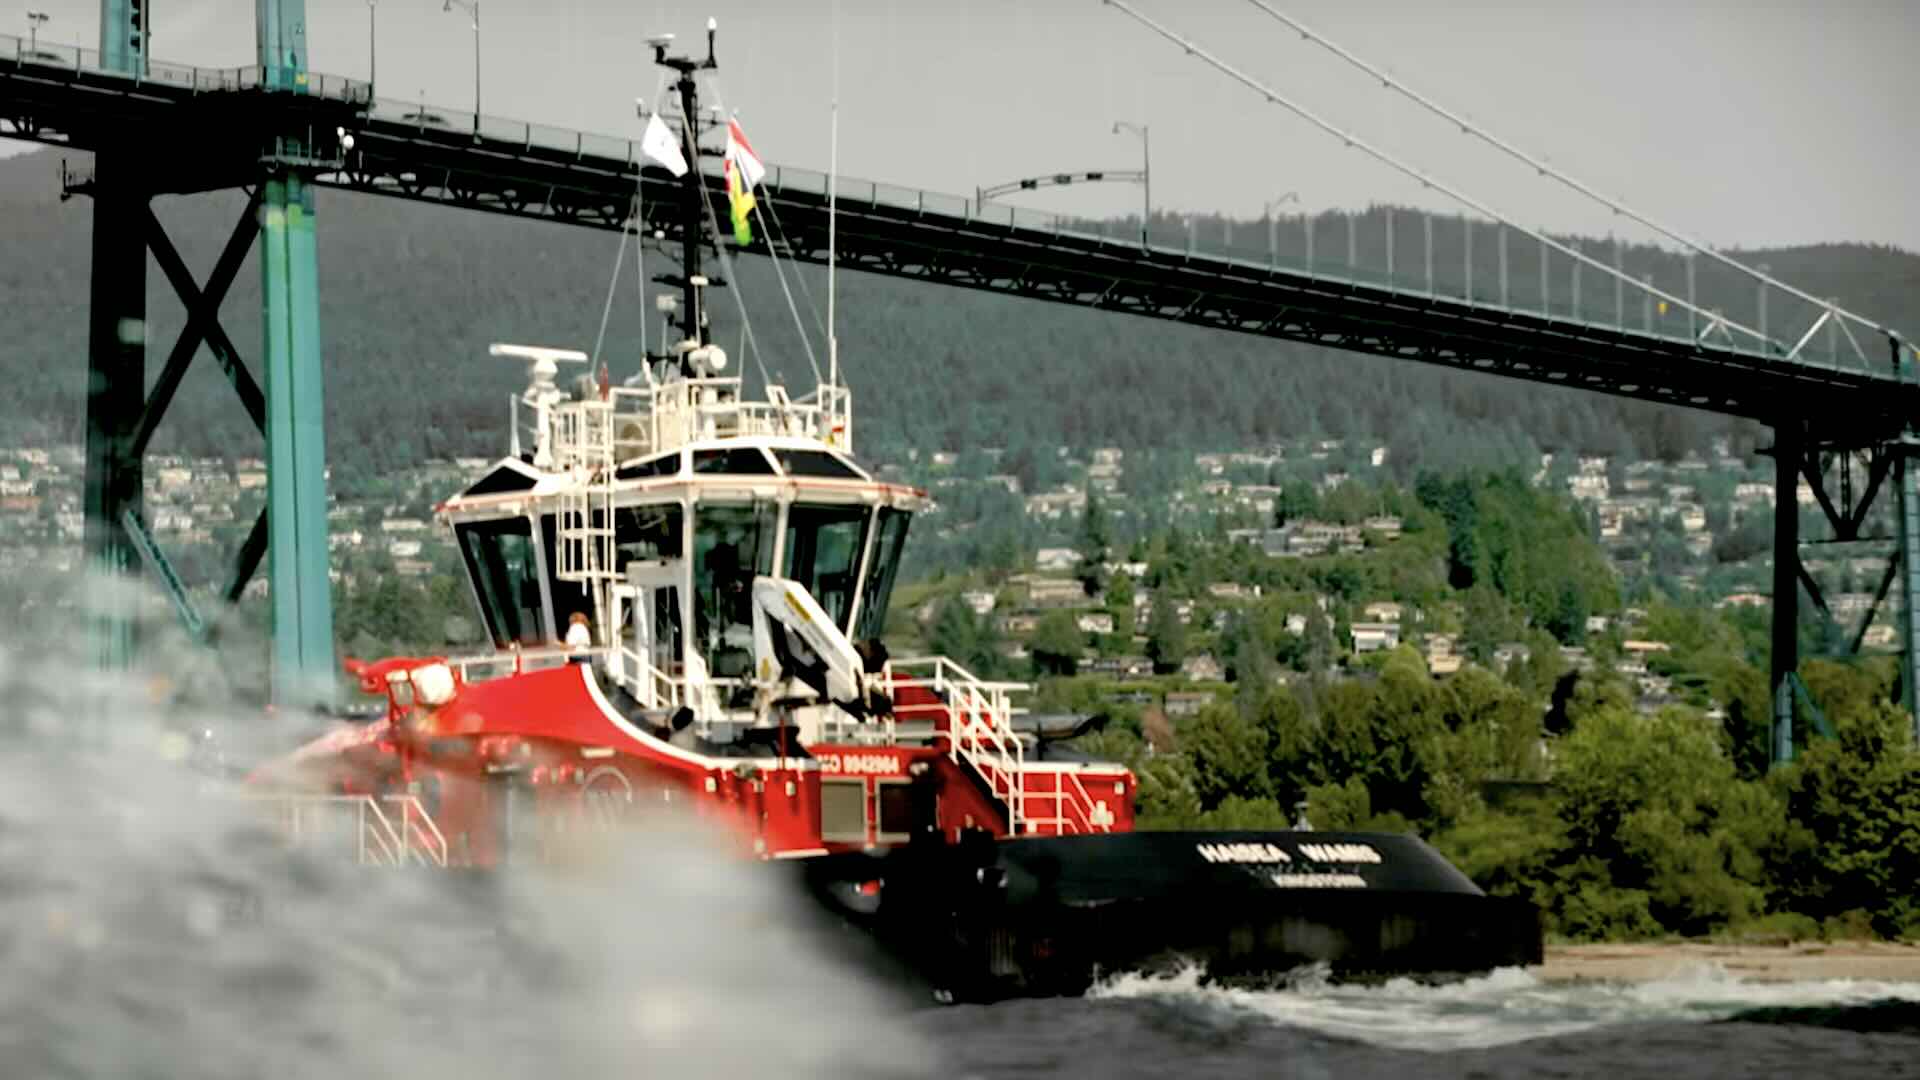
{"x": 731, "y": 544}
{"x": 504, "y": 566}
{"x": 646, "y": 532}
{"x": 739, "y": 461}
{"x": 888, "y": 542}
{"x": 823, "y": 554}
{"x": 815, "y": 463}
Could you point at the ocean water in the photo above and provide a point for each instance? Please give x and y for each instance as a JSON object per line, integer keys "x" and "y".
{"x": 150, "y": 927}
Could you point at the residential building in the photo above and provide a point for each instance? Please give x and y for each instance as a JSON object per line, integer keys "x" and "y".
{"x": 1095, "y": 622}
{"x": 1188, "y": 702}
{"x": 1373, "y": 636}
{"x": 1203, "y": 668}
{"x": 1383, "y": 611}
{"x": 981, "y": 601}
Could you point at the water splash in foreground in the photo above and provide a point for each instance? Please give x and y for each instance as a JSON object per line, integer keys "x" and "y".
{"x": 1504, "y": 1007}
{"x": 147, "y": 929}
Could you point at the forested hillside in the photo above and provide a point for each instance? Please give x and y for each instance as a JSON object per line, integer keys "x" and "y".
{"x": 412, "y": 294}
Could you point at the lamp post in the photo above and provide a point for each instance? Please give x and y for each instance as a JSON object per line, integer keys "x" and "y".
{"x": 1146, "y": 172}
{"x": 373, "y": 66}
{"x": 35, "y": 20}
{"x": 471, "y": 7}
{"x": 1273, "y": 238}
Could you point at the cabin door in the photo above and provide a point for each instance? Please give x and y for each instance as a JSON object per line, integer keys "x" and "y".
{"x": 646, "y": 618}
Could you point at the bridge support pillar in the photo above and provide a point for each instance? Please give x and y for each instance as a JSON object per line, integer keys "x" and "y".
{"x": 116, "y": 397}
{"x": 1908, "y": 508}
{"x": 303, "y": 662}
{"x": 1786, "y": 586}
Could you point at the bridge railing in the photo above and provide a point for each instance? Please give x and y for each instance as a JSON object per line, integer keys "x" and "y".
{"x": 82, "y": 61}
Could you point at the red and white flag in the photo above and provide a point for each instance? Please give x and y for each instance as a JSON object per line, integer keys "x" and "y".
{"x": 740, "y": 152}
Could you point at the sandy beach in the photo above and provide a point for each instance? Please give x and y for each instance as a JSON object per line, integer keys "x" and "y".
{"x": 1866, "y": 960}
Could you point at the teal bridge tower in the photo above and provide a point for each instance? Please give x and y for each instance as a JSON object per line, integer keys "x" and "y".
{"x": 273, "y": 150}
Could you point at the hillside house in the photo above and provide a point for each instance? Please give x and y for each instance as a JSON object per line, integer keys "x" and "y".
{"x": 1056, "y": 592}
{"x": 1116, "y": 667}
{"x": 1508, "y": 653}
{"x": 1374, "y": 636}
{"x": 1188, "y": 702}
{"x": 979, "y": 601}
{"x": 1056, "y": 560}
{"x": 1383, "y": 611}
{"x": 1020, "y": 623}
{"x": 1203, "y": 668}
{"x": 1095, "y": 622}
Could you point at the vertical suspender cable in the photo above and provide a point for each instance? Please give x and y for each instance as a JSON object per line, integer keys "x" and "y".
{"x": 1469, "y": 127}
{"x": 1275, "y": 98}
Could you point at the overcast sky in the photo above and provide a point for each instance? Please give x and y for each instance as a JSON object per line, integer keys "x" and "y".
{"x": 1743, "y": 122}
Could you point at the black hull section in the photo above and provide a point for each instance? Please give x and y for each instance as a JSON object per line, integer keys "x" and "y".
{"x": 1044, "y": 916}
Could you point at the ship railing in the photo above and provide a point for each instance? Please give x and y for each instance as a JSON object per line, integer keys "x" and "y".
{"x": 385, "y": 830}
{"x": 1072, "y": 806}
{"x": 516, "y": 661}
{"x": 979, "y": 724}
{"x": 645, "y": 420}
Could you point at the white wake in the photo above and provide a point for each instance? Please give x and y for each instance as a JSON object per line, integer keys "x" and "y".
{"x": 1507, "y": 1006}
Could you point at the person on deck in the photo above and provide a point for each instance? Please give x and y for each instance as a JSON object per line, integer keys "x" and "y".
{"x": 579, "y": 636}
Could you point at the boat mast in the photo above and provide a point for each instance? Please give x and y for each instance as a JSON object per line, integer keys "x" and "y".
{"x": 693, "y": 322}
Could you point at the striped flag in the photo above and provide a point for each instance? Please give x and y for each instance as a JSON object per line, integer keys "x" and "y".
{"x": 744, "y": 172}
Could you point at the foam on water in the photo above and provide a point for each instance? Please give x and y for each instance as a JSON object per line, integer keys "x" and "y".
{"x": 1506, "y": 1006}
{"x": 149, "y": 930}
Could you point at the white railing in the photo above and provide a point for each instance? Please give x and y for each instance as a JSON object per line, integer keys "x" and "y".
{"x": 646, "y": 420}
{"x": 1068, "y": 794}
{"x": 505, "y": 662}
{"x": 377, "y": 839}
{"x": 980, "y": 732}
{"x": 979, "y": 724}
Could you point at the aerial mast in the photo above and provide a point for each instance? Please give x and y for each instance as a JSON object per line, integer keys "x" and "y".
{"x": 693, "y": 322}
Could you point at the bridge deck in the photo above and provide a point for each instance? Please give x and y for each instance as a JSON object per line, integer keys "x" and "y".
{"x": 225, "y": 118}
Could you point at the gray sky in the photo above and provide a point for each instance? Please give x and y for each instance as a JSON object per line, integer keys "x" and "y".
{"x": 1743, "y": 122}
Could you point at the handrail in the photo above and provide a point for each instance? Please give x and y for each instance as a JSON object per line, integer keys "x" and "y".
{"x": 377, "y": 840}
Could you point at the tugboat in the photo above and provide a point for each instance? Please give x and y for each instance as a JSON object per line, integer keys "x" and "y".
{"x": 722, "y": 566}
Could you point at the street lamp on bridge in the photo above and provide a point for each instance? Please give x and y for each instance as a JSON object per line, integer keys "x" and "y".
{"x": 35, "y": 20}
{"x": 1146, "y": 172}
{"x": 471, "y": 7}
{"x": 373, "y": 67}
{"x": 1273, "y": 242}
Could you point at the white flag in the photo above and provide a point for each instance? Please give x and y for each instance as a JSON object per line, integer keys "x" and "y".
{"x": 660, "y": 144}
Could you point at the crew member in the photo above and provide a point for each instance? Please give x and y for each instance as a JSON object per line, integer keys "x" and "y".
{"x": 579, "y": 636}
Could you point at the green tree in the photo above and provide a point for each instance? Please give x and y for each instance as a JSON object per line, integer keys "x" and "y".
{"x": 1166, "y": 635}
{"x": 966, "y": 637}
{"x": 1057, "y": 643}
{"x": 1119, "y": 604}
{"x": 1229, "y": 755}
{"x": 1096, "y": 545}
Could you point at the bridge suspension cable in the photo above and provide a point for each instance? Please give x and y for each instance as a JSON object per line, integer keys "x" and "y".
{"x": 1715, "y": 320}
{"x": 1468, "y": 127}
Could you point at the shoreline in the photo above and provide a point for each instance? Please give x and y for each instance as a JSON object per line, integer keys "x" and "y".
{"x": 1873, "y": 961}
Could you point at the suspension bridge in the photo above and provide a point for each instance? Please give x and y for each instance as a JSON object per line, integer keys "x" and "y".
{"x": 1839, "y": 391}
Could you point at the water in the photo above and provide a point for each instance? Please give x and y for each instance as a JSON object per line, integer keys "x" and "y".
{"x": 1508, "y": 1023}
{"x": 147, "y": 930}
